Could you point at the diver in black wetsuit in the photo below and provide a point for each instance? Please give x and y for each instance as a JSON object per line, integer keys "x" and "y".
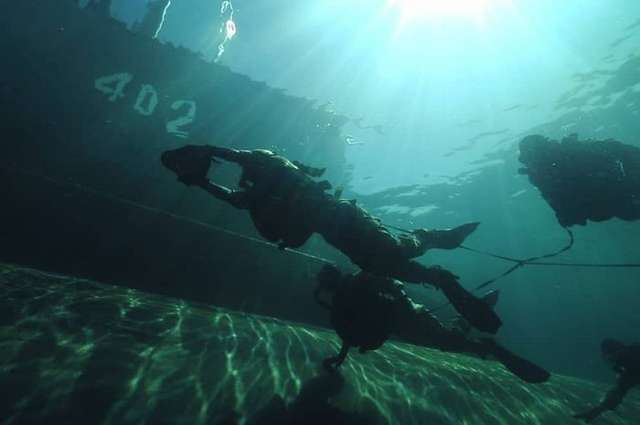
{"x": 288, "y": 206}
{"x": 584, "y": 179}
{"x": 366, "y": 310}
{"x": 625, "y": 360}
{"x": 279, "y": 194}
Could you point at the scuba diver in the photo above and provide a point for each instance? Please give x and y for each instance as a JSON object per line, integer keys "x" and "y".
{"x": 366, "y": 310}
{"x": 272, "y": 188}
{"x": 584, "y": 180}
{"x": 625, "y": 360}
{"x": 287, "y": 206}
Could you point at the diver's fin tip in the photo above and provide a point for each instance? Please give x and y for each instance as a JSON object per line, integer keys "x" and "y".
{"x": 524, "y": 369}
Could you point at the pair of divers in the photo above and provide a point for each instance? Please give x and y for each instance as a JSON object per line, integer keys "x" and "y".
{"x": 287, "y": 205}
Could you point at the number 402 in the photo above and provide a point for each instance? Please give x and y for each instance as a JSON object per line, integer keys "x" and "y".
{"x": 147, "y": 100}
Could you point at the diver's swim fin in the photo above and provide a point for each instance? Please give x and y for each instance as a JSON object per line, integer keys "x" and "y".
{"x": 446, "y": 239}
{"x": 476, "y": 311}
{"x": 491, "y": 298}
{"x": 521, "y": 367}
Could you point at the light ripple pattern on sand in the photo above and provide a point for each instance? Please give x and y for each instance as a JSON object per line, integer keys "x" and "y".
{"x": 75, "y": 351}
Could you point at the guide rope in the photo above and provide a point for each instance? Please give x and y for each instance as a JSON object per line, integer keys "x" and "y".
{"x": 533, "y": 261}
{"x": 134, "y": 204}
{"x": 518, "y": 262}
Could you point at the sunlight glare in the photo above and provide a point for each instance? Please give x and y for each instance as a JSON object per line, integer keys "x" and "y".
{"x": 414, "y": 11}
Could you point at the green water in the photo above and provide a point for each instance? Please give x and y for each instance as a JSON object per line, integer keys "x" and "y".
{"x": 416, "y": 117}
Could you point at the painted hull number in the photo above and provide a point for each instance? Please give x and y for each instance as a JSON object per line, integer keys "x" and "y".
{"x": 148, "y": 94}
{"x": 114, "y": 86}
{"x": 175, "y": 127}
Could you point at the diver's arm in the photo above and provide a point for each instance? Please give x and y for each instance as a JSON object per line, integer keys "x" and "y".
{"x": 615, "y": 396}
{"x": 332, "y": 363}
{"x": 236, "y": 198}
{"x": 239, "y": 156}
{"x": 416, "y": 324}
{"x": 611, "y": 400}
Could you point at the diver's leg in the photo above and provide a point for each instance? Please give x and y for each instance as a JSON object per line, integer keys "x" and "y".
{"x": 418, "y": 242}
{"x": 477, "y": 312}
{"x": 415, "y": 324}
{"x": 521, "y": 367}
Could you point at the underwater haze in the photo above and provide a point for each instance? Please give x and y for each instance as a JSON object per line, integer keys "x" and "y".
{"x": 130, "y": 297}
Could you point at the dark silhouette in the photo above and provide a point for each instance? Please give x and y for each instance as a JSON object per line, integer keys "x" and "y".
{"x": 287, "y": 206}
{"x": 366, "y": 310}
{"x": 584, "y": 180}
{"x": 625, "y": 360}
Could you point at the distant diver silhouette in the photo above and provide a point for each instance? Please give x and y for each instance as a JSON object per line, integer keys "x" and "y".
{"x": 625, "y": 360}
{"x": 584, "y": 180}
